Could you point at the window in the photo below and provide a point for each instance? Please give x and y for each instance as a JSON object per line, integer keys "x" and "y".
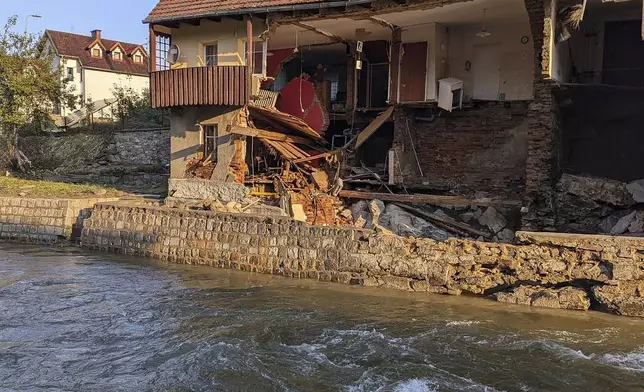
{"x": 117, "y": 55}
{"x": 210, "y": 55}
{"x": 96, "y": 52}
{"x": 70, "y": 73}
{"x": 210, "y": 141}
{"x": 163, "y": 48}
{"x": 259, "y": 54}
{"x": 138, "y": 58}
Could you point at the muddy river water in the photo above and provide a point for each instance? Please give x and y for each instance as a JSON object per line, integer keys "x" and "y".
{"x": 77, "y": 321}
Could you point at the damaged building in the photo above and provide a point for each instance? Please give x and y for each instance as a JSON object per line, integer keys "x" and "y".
{"x": 425, "y": 117}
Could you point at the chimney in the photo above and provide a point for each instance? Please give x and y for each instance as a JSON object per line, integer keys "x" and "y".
{"x": 96, "y": 34}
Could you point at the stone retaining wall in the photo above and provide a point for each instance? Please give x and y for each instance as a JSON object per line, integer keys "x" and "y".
{"x": 560, "y": 271}
{"x": 43, "y": 220}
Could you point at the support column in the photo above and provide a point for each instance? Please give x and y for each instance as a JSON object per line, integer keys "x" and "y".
{"x": 394, "y": 65}
{"x": 152, "y": 47}
{"x": 249, "y": 52}
{"x": 539, "y": 207}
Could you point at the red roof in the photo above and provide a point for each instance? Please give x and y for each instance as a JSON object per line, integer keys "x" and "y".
{"x": 167, "y": 10}
{"x": 75, "y": 45}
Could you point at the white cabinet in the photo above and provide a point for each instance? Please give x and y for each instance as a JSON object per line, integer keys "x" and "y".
{"x": 450, "y": 94}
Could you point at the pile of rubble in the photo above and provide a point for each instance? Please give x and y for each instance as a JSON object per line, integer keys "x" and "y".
{"x": 436, "y": 222}
{"x": 597, "y": 205}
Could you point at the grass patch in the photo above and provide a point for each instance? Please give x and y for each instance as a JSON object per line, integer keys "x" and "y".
{"x": 10, "y": 186}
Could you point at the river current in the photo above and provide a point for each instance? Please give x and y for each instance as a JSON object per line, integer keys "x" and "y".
{"x": 77, "y": 321}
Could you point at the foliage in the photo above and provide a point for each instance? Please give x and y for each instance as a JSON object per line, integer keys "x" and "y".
{"x": 134, "y": 109}
{"x": 10, "y": 186}
{"x": 29, "y": 88}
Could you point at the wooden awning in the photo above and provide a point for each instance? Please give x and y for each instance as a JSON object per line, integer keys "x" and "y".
{"x": 284, "y": 122}
{"x": 288, "y": 150}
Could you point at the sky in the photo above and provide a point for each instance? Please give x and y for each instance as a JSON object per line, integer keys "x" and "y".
{"x": 119, "y": 20}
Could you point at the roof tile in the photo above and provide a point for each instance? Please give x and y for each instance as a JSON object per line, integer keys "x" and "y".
{"x": 168, "y": 9}
{"x": 74, "y": 45}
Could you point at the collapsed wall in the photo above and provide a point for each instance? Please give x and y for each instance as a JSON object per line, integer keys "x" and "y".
{"x": 552, "y": 270}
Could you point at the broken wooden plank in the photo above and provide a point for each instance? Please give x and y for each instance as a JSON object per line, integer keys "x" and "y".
{"x": 446, "y": 221}
{"x": 319, "y": 156}
{"x": 279, "y": 148}
{"x": 430, "y": 199}
{"x": 285, "y": 121}
{"x": 255, "y": 132}
{"x": 374, "y": 126}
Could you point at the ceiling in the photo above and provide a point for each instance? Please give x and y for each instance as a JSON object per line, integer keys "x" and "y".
{"x": 465, "y": 13}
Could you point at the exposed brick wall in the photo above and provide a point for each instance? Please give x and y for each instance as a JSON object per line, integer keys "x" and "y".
{"x": 540, "y": 175}
{"x": 281, "y": 246}
{"x": 471, "y": 150}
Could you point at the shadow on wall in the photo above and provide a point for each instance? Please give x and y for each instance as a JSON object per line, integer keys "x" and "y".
{"x": 601, "y": 131}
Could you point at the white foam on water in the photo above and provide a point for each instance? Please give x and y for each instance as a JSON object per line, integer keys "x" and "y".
{"x": 466, "y": 323}
{"x": 417, "y": 385}
{"x": 558, "y": 349}
{"x": 632, "y": 361}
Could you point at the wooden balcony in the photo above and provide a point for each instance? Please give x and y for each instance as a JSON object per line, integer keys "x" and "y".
{"x": 199, "y": 86}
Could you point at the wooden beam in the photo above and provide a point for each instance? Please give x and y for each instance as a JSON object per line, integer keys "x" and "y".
{"x": 446, "y": 221}
{"x": 332, "y": 36}
{"x": 152, "y": 48}
{"x": 381, "y": 22}
{"x": 319, "y": 156}
{"x": 254, "y": 132}
{"x": 394, "y": 65}
{"x": 430, "y": 199}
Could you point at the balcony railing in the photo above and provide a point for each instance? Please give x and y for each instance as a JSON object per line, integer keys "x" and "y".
{"x": 199, "y": 86}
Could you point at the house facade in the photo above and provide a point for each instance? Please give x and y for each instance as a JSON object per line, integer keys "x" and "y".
{"x": 446, "y": 96}
{"x": 93, "y": 65}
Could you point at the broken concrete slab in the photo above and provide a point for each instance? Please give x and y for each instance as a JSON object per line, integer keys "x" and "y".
{"x": 205, "y": 189}
{"x": 493, "y": 220}
{"x": 636, "y": 189}
{"x": 637, "y": 224}
{"x": 597, "y": 189}
{"x": 401, "y": 222}
{"x": 622, "y": 225}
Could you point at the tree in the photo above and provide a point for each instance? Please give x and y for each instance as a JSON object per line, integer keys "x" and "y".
{"x": 134, "y": 108}
{"x": 29, "y": 88}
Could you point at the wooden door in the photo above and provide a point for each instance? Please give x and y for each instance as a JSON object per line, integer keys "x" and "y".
{"x": 485, "y": 68}
{"x": 413, "y": 72}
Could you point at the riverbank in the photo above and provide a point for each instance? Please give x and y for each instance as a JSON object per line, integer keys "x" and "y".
{"x": 564, "y": 271}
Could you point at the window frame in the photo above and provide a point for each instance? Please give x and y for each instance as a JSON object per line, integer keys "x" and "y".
{"x": 96, "y": 52}
{"x": 206, "y": 138}
{"x": 205, "y": 47}
{"x": 264, "y": 54}
{"x": 70, "y": 73}
{"x": 120, "y": 55}
{"x": 139, "y": 56}
{"x": 163, "y": 44}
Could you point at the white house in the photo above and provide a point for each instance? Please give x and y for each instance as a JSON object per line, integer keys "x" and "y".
{"x": 94, "y": 65}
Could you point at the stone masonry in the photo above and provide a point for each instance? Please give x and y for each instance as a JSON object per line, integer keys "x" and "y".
{"x": 560, "y": 271}
{"x": 47, "y": 221}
